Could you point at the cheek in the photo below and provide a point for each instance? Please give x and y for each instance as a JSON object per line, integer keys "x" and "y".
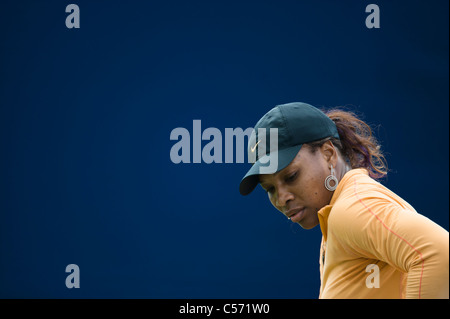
{"x": 315, "y": 191}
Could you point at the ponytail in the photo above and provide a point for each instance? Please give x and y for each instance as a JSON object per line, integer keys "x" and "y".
{"x": 357, "y": 143}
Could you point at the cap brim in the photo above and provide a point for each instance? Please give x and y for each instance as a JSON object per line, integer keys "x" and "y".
{"x": 251, "y": 179}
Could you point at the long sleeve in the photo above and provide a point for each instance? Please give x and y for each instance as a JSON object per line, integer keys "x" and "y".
{"x": 376, "y": 245}
{"x": 381, "y": 229}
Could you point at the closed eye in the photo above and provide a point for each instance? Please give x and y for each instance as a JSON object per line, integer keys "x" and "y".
{"x": 290, "y": 178}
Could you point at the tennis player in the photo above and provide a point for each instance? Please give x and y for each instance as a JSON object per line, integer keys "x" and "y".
{"x": 374, "y": 243}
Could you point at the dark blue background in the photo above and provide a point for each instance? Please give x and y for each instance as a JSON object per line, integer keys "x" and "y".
{"x": 86, "y": 115}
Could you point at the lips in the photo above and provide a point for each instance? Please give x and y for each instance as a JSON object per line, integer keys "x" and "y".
{"x": 295, "y": 214}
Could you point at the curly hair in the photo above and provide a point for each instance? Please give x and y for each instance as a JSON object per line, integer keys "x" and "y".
{"x": 357, "y": 144}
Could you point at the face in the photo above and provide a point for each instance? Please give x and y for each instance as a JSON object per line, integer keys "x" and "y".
{"x": 298, "y": 190}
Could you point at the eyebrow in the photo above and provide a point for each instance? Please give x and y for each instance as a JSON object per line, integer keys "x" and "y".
{"x": 263, "y": 183}
{"x": 265, "y": 186}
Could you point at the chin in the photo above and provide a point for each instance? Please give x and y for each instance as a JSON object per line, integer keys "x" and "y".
{"x": 307, "y": 224}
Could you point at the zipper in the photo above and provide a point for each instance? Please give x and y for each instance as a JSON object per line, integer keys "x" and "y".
{"x": 324, "y": 250}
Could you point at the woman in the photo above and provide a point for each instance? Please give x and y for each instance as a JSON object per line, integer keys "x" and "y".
{"x": 374, "y": 244}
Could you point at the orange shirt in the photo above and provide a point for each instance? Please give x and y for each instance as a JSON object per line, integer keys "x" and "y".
{"x": 375, "y": 245}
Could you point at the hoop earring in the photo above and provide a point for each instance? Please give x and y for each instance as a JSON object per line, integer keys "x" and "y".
{"x": 331, "y": 178}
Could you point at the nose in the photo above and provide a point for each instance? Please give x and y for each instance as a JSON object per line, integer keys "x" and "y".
{"x": 283, "y": 197}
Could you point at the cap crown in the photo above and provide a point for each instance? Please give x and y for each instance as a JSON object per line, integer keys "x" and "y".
{"x": 297, "y": 123}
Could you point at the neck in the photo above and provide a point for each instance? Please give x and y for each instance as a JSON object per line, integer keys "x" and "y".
{"x": 342, "y": 169}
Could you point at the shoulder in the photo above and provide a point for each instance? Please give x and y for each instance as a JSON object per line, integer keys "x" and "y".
{"x": 362, "y": 201}
{"x": 358, "y": 189}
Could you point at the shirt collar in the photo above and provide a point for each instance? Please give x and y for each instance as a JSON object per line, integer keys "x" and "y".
{"x": 324, "y": 212}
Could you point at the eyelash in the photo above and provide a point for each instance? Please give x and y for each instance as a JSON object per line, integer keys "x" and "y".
{"x": 291, "y": 178}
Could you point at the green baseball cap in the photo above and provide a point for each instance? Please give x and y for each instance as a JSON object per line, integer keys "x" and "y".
{"x": 289, "y": 126}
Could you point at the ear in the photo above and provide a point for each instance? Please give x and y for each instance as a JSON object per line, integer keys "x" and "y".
{"x": 329, "y": 153}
